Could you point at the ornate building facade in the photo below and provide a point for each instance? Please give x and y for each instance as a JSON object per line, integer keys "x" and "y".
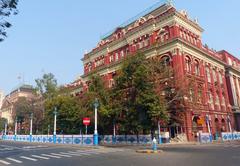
{"x": 166, "y": 32}
{"x": 9, "y": 100}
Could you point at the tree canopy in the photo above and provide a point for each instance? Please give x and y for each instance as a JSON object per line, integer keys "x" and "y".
{"x": 7, "y": 8}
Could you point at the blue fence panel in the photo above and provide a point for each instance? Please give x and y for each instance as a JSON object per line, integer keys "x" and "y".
{"x": 87, "y": 140}
{"x": 77, "y": 139}
{"x": 205, "y": 137}
{"x": 67, "y": 139}
{"x": 132, "y": 139}
{"x": 145, "y": 139}
{"x": 121, "y": 139}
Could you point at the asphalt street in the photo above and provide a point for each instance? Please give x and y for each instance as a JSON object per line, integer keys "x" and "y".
{"x": 31, "y": 154}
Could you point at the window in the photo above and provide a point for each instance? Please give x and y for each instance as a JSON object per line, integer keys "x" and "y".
{"x": 191, "y": 95}
{"x": 210, "y": 97}
{"x": 199, "y": 95}
{"x": 220, "y": 78}
{"x": 214, "y": 76}
{"x": 122, "y": 54}
{"x": 165, "y": 60}
{"x": 223, "y": 101}
{"x": 116, "y": 56}
{"x": 197, "y": 69}
{"x": 208, "y": 74}
{"x": 111, "y": 58}
{"x": 111, "y": 83}
{"x": 188, "y": 64}
{"x": 217, "y": 99}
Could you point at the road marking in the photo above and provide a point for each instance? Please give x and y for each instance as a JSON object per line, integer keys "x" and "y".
{"x": 62, "y": 155}
{"x": 76, "y": 152}
{"x": 17, "y": 161}
{"x": 4, "y": 162}
{"x": 88, "y": 152}
{"x": 48, "y": 155}
{"x": 72, "y": 154}
{"x": 40, "y": 157}
{"x": 82, "y": 153}
{"x": 28, "y": 158}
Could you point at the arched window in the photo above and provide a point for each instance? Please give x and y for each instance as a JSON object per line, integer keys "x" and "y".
{"x": 217, "y": 99}
{"x": 197, "y": 68}
{"x": 166, "y": 60}
{"x": 188, "y": 64}
{"x": 208, "y": 74}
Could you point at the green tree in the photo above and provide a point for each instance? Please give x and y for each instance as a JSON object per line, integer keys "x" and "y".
{"x": 7, "y": 8}
{"x": 68, "y": 117}
{"x": 3, "y": 121}
{"x": 135, "y": 98}
{"x": 98, "y": 90}
{"x": 47, "y": 86}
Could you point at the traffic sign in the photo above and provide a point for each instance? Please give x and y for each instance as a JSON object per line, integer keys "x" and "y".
{"x": 86, "y": 121}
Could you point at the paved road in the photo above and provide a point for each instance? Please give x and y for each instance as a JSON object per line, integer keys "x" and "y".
{"x": 27, "y": 154}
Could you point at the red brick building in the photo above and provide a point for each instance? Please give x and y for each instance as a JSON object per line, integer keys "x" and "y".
{"x": 166, "y": 32}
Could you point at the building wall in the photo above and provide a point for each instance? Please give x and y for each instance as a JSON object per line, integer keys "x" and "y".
{"x": 10, "y": 99}
{"x": 167, "y": 32}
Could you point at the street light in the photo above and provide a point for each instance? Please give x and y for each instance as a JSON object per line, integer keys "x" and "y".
{"x": 95, "y": 136}
{"x": 31, "y": 119}
{"x": 55, "y": 125}
{"x": 159, "y": 133}
{"x": 15, "y": 133}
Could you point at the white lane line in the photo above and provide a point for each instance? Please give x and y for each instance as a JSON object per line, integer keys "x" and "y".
{"x": 88, "y": 152}
{"x": 4, "y": 162}
{"x": 11, "y": 159}
{"x": 28, "y": 158}
{"x": 40, "y": 157}
{"x": 72, "y": 154}
{"x": 62, "y": 155}
{"x": 76, "y": 152}
{"x": 48, "y": 155}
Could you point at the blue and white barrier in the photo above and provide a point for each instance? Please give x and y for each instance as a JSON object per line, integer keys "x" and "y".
{"x": 60, "y": 139}
{"x": 205, "y": 138}
{"x": 227, "y": 136}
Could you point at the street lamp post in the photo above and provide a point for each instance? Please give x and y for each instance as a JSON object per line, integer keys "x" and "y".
{"x": 31, "y": 120}
{"x": 95, "y": 135}
{"x": 15, "y": 133}
{"x": 5, "y": 130}
{"x": 209, "y": 129}
{"x": 159, "y": 133}
{"x": 55, "y": 126}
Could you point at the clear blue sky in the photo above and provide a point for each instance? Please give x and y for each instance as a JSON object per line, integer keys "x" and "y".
{"x": 52, "y": 35}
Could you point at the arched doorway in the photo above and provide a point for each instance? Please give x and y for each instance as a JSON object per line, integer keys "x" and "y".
{"x": 223, "y": 128}
{"x": 196, "y": 126}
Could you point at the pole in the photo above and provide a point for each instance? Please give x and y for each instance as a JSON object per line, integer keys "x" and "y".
{"x": 114, "y": 133}
{"x": 15, "y": 133}
{"x": 31, "y": 120}
{"x": 55, "y": 126}
{"x": 5, "y": 130}
{"x": 86, "y": 129}
{"x": 95, "y": 136}
{"x": 159, "y": 133}
{"x": 95, "y": 130}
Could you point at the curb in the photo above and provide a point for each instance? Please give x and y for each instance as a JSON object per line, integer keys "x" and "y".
{"x": 149, "y": 151}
